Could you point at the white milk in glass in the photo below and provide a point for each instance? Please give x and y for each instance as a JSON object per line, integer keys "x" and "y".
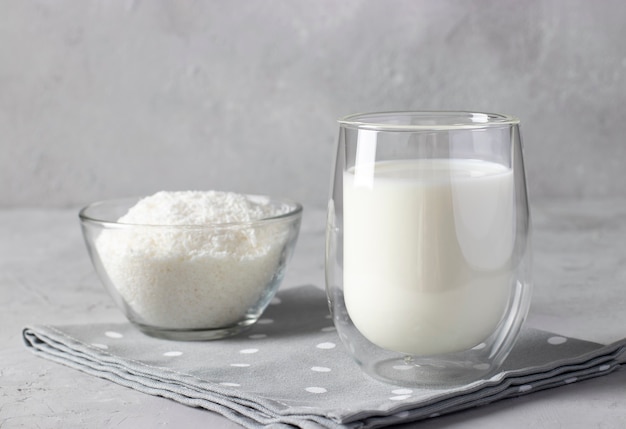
{"x": 427, "y": 252}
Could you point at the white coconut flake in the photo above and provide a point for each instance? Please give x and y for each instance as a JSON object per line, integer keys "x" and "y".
{"x": 191, "y": 277}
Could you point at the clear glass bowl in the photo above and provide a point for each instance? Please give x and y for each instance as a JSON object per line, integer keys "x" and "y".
{"x": 191, "y": 282}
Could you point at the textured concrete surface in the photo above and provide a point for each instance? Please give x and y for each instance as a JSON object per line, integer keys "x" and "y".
{"x": 106, "y": 99}
{"x": 46, "y": 277}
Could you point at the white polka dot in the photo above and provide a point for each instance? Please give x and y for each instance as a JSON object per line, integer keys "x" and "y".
{"x": 265, "y": 321}
{"x": 571, "y": 380}
{"x": 113, "y": 334}
{"x": 328, "y": 329}
{"x": 400, "y": 397}
{"x": 100, "y": 346}
{"x": 315, "y": 390}
{"x": 248, "y": 351}
{"x": 481, "y": 366}
{"x": 479, "y": 347}
{"x": 240, "y": 365}
{"x": 276, "y": 301}
{"x": 230, "y": 384}
{"x": 556, "y": 340}
{"x": 601, "y": 368}
{"x": 173, "y": 353}
{"x": 525, "y": 388}
{"x": 402, "y": 391}
{"x": 257, "y": 336}
{"x": 320, "y": 369}
{"x": 326, "y": 346}
{"x": 402, "y": 367}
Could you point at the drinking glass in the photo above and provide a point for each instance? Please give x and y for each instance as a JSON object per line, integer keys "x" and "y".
{"x": 428, "y": 252}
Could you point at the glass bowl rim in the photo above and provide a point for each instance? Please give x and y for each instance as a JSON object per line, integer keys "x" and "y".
{"x": 295, "y": 211}
{"x": 472, "y": 120}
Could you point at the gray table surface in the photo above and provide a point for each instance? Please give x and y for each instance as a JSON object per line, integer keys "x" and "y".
{"x": 46, "y": 277}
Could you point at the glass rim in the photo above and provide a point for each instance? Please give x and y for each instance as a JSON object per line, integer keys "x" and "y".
{"x": 440, "y": 120}
{"x": 85, "y": 215}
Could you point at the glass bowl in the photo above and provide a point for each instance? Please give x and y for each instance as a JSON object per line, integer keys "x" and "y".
{"x": 191, "y": 282}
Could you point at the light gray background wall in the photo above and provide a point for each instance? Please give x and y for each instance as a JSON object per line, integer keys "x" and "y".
{"x": 103, "y": 98}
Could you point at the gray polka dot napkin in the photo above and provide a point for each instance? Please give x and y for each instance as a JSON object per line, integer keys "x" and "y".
{"x": 290, "y": 369}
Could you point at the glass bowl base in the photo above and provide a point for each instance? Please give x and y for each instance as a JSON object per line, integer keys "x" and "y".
{"x": 195, "y": 334}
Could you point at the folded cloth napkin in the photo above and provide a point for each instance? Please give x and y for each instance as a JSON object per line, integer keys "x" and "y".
{"x": 290, "y": 369}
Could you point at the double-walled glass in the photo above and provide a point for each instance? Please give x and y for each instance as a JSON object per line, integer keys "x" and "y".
{"x": 428, "y": 244}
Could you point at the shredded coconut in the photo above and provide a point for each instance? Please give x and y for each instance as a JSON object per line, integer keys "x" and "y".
{"x": 196, "y": 208}
{"x": 175, "y": 272}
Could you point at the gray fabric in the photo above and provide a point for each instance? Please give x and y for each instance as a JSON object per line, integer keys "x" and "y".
{"x": 290, "y": 370}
